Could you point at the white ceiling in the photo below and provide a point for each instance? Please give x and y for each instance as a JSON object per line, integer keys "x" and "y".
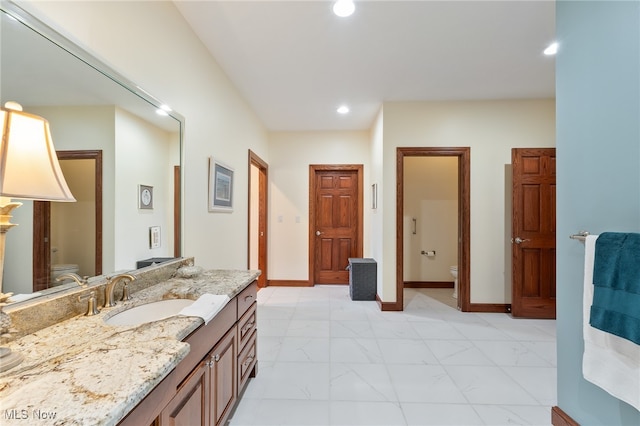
{"x": 295, "y": 62}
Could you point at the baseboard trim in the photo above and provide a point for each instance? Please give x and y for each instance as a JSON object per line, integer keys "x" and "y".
{"x": 288, "y": 283}
{"x": 428, "y": 284}
{"x": 560, "y": 418}
{"x": 387, "y": 306}
{"x": 501, "y": 308}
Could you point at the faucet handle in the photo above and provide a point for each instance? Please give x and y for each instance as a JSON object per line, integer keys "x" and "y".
{"x": 92, "y": 309}
{"x": 125, "y": 293}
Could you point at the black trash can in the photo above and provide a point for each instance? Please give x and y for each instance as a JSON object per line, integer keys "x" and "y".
{"x": 363, "y": 278}
{"x": 152, "y": 261}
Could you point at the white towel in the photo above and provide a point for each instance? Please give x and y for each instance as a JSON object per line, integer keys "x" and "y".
{"x": 609, "y": 361}
{"x": 206, "y": 307}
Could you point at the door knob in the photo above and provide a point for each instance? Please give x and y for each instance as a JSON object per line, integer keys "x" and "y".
{"x": 519, "y": 240}
{"x": 318, "y": 233}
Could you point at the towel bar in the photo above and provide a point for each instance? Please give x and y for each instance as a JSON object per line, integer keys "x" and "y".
{"x": 580, "y": 236}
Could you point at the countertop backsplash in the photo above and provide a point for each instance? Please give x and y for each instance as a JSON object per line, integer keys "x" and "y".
{"x": 35, "y": 314}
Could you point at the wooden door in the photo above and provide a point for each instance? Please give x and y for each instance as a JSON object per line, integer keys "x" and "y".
{"x": 534, "y": 233}
{"x": 258, "y": 199}
{"x": 335, "y": 222}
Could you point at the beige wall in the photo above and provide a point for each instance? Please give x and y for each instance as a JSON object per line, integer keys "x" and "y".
{"x": 291, "y": 154}
{"x": 176, "y": 68}
{"x": 491, "y": 129}
{"x": 431, "y": 199}
{"x": 143, "y": 157}
{"x": 376, "y": 146}
{"x": 152, "y": 45}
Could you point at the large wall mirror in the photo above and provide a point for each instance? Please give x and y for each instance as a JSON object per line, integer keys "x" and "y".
{"x": 112, "y": 144}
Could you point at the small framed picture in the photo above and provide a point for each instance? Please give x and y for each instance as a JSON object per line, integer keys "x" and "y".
{"x": 154, "y": 237}
{"x": 145, "y": 197}
{"x": 220, "y": 187}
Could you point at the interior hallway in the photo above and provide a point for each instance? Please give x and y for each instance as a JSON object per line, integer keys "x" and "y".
{"x": 327, "y": 360}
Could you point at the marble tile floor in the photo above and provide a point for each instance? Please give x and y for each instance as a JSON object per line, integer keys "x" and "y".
{"x": 327, "y": 360}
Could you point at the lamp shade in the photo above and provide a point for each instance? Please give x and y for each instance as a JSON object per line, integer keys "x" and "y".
{"x": 29, "y": 167}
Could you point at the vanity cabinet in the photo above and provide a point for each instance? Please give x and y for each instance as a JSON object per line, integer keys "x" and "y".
{"x": 189, "y": 406}
{"x": 247, "y": 334}
{"x": 222, "y": 373}
{"x": 204, "y": 388}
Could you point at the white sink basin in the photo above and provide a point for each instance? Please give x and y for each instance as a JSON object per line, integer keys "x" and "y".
{"x": 149, "y": 312}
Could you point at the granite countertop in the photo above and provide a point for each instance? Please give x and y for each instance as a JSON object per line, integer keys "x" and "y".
{"x": 83, "y": 371}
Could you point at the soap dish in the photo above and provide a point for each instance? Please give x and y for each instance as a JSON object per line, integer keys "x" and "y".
{"x": 189, "y": 271}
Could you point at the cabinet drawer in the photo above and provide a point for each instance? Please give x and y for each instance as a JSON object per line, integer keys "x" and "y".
{"x": 246, "y": 361}
{"x": 246, "y": 325}
{"x": 246, "y": 298}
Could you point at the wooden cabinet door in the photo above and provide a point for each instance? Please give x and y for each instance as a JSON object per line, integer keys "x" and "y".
{"x": 190, "y": 405}
{"x": 223, "y": 371}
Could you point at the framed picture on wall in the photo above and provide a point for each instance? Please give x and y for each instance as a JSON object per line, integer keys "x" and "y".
{"x": 145, "y": 197}
{"x": 220, "y": 187}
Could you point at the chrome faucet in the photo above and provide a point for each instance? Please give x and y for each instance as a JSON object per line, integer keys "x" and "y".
{"x": 110, "y": 287}
{"x": 81, "y": 281}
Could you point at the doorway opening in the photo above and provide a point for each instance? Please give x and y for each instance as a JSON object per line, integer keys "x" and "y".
{"x": 462, "y": 203}
{"x": 70, "y": 234}
{"x": 258, "y": 197}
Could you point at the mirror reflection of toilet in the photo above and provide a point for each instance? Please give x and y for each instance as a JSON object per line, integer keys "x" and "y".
{"x": 454, "y": 272}
{"x": 57, "y": 270}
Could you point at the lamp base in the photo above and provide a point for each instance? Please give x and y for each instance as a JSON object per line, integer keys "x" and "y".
{"x": 9, "y": 359}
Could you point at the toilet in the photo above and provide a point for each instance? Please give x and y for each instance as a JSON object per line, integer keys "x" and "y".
{"x": 60, "y": 269}
{"x": 454, "y": 272}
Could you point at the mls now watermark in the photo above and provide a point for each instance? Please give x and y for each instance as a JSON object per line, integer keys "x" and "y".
{"x": 33, "y": 414}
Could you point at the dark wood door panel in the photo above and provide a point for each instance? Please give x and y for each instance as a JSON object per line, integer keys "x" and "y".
{"x": 534, "y": 233}
{"x": 335, "y": 219}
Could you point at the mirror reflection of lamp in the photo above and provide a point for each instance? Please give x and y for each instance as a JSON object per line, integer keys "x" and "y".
{"x": 29, "y": 170}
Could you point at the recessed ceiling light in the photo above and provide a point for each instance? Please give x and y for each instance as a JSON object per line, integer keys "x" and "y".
{"x": 552, "y": 49}
{"x": 344, "y": 8}
{"x": 162, "y": 112}
{"x": 343, "y": 109}
{"x": 165, "y": 108}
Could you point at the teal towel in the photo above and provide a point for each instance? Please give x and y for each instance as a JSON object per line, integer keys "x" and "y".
{"x": 616, "y": 280}
{"x": 617, "y": 261}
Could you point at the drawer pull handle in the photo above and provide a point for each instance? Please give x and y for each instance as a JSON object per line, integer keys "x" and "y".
{"x": 248, "y": 326}
{"x": 248, "y": 297}
{"x": 247, "y": 362}
{"x": 216, "y": 357}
